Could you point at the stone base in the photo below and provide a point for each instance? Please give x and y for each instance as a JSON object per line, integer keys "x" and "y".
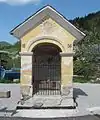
{"x": 26, "y": 90}
{"x": 42, "y": 102}
{"x": 67, "y": 91}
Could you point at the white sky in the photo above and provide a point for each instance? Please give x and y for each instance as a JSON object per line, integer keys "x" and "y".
{"x": 19, "y": 2}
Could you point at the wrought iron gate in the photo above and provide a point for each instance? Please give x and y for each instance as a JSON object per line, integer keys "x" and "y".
{"x": 47, "y": 76}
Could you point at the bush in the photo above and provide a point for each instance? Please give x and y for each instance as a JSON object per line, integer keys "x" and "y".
{"x": 81, "y": 80}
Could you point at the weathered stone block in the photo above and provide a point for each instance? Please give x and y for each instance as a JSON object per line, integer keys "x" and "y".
{"x": 5, "y": 94}
{"x": 67, "y": 91}
{"x": 26, "y": 90}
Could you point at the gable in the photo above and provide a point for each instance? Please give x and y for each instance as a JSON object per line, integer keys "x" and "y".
{"x": 32, "y": 21}
{"x": 48, "y": 29}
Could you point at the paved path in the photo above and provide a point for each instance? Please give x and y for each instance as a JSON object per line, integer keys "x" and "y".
{"x": 88, "y": 117}
{"x": 45, "y": 113}
{"x": 87, "y": 98}
{"x": 8, "y": 105}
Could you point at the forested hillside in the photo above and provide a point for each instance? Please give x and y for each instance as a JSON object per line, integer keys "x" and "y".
{"x": 9, "y": 54}
{"x": 88, "y": 23}
{"x": 87, "y": 57}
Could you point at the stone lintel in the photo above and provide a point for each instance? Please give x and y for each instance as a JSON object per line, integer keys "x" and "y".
{"x": 26, "y": 53}
{"x": 67, "y": 54}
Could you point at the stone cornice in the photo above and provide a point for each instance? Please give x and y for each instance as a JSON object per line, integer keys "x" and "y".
{"x": 26, "y": 53}
{"x": 67, "y": 54}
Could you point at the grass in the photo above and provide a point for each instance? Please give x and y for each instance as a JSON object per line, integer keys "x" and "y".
{"x": 8, "y": 81}
{"x": 81, "y": 80}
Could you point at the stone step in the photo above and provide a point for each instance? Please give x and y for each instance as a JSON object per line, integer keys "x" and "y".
{"x": 47, "y": 103}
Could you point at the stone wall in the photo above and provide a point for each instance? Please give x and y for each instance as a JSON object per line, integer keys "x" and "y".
{"x": 48, "y": 31}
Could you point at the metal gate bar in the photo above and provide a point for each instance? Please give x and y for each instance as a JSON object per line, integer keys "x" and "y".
{"x": 47, "y": 79}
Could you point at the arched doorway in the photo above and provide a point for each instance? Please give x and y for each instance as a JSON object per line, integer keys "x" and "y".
{"x": 46, "y": 69}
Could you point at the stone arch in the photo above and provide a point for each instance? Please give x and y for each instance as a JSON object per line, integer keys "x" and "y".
{"x": 46, "y": 68}
{"x": 44, "y": 39}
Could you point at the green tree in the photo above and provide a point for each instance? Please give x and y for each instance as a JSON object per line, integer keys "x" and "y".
{"x": 87, "y": 55}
